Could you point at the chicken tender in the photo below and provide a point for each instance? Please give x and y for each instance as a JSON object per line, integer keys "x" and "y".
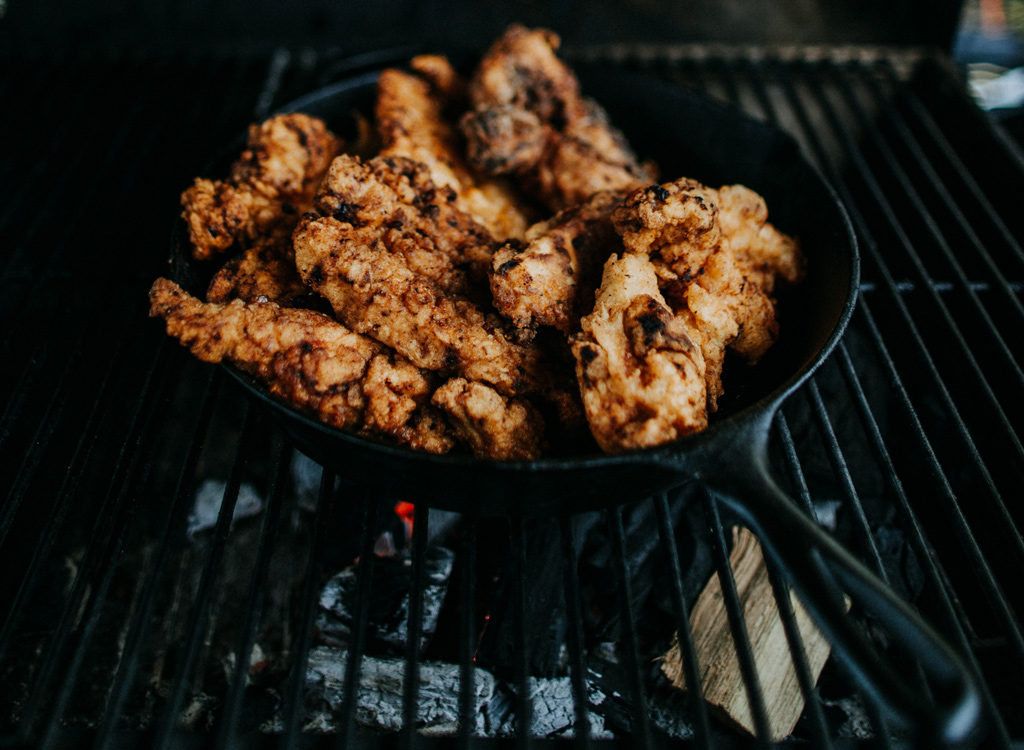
{"x": 397, "y": 404}
{"x": 263, "y": 273}
{"x": 639, "y": 370}
{"x": 310, "y": 361}
{"x": 543, "y": 282}
{"x": 410, "y": 115}
{"x": 682, "y": 228}
{"x": 528, "y": 119}
{"x": 492, "y": 425}
{"x": 383, "y": 254}
{"x": 763, "y": 253}
{"x": 271, "y": 185}
{"x": 676, "y": 224}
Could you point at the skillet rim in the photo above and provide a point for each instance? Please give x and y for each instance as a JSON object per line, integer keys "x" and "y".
{"x": 737, "y": 422}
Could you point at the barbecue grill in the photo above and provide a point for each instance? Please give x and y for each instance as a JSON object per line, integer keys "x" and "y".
{"x": 178, "y": 573}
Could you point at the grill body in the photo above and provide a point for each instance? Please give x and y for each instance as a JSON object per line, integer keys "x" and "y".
{"x": 133, "y": 618}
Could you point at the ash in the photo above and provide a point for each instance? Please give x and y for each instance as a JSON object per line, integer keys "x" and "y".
{"x": 379, "y": 703}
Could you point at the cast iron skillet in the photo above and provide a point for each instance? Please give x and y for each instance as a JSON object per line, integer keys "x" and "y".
{"x": 691, "y": 136}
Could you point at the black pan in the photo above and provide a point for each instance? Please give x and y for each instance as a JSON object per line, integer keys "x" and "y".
{"x": 691, "y": 136}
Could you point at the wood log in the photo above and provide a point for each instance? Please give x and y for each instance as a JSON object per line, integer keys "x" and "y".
{"x": 718, "y": 664}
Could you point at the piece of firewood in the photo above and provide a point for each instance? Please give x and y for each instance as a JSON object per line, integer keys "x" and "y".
{"x": 719, "y": 666}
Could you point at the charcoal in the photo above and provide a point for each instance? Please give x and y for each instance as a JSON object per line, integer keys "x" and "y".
{"x": 208, "y": 500}
{"x": 544, "y": 617}
{"x": 381, "y": 688}
{"x": 387, "y": 626}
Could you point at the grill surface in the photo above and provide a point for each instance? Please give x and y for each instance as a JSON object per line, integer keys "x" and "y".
{"x": 126, "y": 627}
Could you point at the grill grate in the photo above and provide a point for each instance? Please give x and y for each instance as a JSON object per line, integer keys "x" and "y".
{"x": 125, "y": 626}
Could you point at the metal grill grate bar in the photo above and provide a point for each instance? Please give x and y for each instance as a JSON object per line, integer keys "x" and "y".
{"x": 200, "y": 614}
{"x": 411, "y": 682}
{"x": 922, "y": 349}
{"x": 228, "y": 731}
{"x": 965, "y": 535}
{"x": 574, "y": 633}
{"x": 927, "y": 122}
{"x": 361, "y": 616}
{"x": 467, "y": 631}
{"x": 683, "y": 630}
{"x": 291, "y": 710}
{"x": 949, "y": 204}
{"x": 737, "y": 624}
{"x": 951, "y": 625}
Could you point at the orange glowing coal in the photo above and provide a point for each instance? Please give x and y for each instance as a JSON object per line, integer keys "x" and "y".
{"x": 406, "y": 511}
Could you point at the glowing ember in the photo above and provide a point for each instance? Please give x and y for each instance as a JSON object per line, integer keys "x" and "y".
{"x": 406, "y": 511}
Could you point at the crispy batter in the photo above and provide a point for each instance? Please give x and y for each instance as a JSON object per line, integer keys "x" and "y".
{"x": 544, "y": 282}
{"x": 393, "y": 199}
{"x": 265, "y": 272}
{"x": 492, "y": 425}
{"x": 763, "y": 252}
{"x": 640, "y": 372}
{"x": 271, "y": 185}
{"x": 681, "y": 226}
{"x": 676, "y": 224}
{"x": 383, "y": 258}
{"x": 727, "y": 310}
{"x": 529, "y": 119}
{"x": 310, "y": 361}
{"x": 411, "y": 121}
{"x": 397, "y": 404}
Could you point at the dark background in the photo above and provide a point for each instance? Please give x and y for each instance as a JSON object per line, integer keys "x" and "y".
{"x": 47, "y": 26}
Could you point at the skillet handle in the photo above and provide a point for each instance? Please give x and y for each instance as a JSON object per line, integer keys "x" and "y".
{"x": 819, "y": 568}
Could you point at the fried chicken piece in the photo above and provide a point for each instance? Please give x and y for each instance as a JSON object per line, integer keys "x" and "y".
{"x": 639, "y": 371}
{"x": 728, "y": 311}
{"x": 676, "y": 224}
{"x": 382, "y": 251}
{"x": 492, "y": 425}
{"x": 309, "y": 360}
{"x": 397, "y": 404}
{"x": 265, "y": 272}
{"x": 393, "y": 199}
{"x": 544, "y": 282}
{"x": 681, "y": 227}
{"x": 271, "y": 185}
{"x": 763, "y": 252}
{"x": 411, "y": 120}
{"x": 529, "y": 120}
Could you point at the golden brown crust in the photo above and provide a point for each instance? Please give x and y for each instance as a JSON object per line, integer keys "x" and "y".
{"x": 639, "y": 371}
{"x": 310, "y": 361}
{"x": 765, "y": 255}
{"x": 492, "y": 425}
{"x": 545, "y": 281}
{"x": 703, "y": 243}
{"x": 265, "y": 272}
{"x": 272, "y": 183}
{"x": 528, "y": 119}
{"x": 411, "y": 120}
{"x": 383, "y": 250}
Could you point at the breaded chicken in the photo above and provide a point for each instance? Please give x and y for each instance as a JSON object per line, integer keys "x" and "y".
{"x": 412, "y": 122}
{"x": 725, "y": 310}
{"x": 393, "y": 199}
{"x": 309, "y": 360}
{"x": 676, "y": 224}
{"x": 492, "y": 425}
{"x": 693, "y": 244}
{"x": 544, "y": 282}
{"x": 271, "y": 185}
{"x": 265, "y": 272}
{"x": 639, "y": 371}
{"x": 528, "y": 119}
{"x": 763, "y": 253}
{"x": 398, "y": 404}
{"x": 382, "y": 250}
